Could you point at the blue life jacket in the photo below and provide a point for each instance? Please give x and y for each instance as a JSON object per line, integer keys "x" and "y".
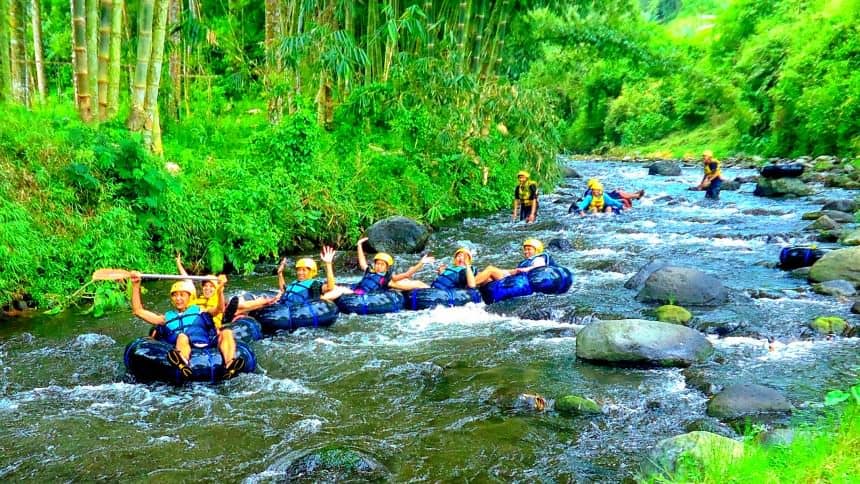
{"x": 450, "y": 278}
{"x": 197, "y": 325}
{"x": 548, "y": 260}
{"x": 373, "y": 281}
{"x": 298, "y": 292}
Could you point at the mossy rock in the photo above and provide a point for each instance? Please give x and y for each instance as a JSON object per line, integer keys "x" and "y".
{"x": 669, "y": 313}
{"x": 334, "y": 464}
{"x": 576, "y": 405}
{"x": 829, "y": 325}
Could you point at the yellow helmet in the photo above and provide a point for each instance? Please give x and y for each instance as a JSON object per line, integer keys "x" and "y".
{"x": 184, "y": 286}
{"x": 308, "y": 264}
{"x": 385, "y": 258}
{"x": 465, "y": 251}
{"x": 537, "y": 244}
{"x": 597, "y": 186}
{"x": 708, "y": 153}
{"x": 523, "y": 173}
{"x": 592, "y": 182}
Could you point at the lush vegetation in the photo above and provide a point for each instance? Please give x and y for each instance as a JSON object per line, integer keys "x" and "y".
{"x": 277, "y": 126}
{"x": 823, "y": 451}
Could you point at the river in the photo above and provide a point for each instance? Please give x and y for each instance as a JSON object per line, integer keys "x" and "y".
{"x": 431, "y": 395}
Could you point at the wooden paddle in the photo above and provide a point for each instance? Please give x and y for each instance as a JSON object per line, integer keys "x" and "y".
{"x": 120, "y": 274}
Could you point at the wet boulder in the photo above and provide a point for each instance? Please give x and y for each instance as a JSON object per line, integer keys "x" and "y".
{"x": 829, "y": 325}
{"x": 683, "y": 456}
{"x": 665, "y": 168}
{"x": 737, "y": 403}
{"x": 638, "y": 280}
{"x": 638, "y": 342}
{"x": 837, "y": 264}
{"x": 839, "y": 216}
{"x": 560, "y": 245}
{"x": 851, "y": 237}
{"x": 568, "y": 172}
{"x": 330, "y": 464}
{"x": 849, "y": 206}
{"x": 711, "y": 425}
{"x": 669, "y": 313}
{"x": 576, "y": 405}
{"x": 835, "y": 288}
{"x": 781, "y": 187}
{"x": 824, "y": 223}
{"x": 397, "y": 234}
{"x": 731, "y": 185}
{"x": 684, "y": 286}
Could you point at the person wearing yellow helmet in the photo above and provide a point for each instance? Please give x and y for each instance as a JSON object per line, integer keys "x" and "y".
{"x": 378, "y": 277}
{"x": 459, "y": 276}
{"x": 306, "y": 287}
{"x": 595, "y": 201}
{"x": 712, "y": 180}
{"x": 208, "y": 298}
{"x": 525, "y": 198}
{"x": 188, "y": 325}
{"x": 535, "y": 257}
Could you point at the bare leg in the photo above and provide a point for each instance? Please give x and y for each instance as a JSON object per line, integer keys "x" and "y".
{"x": 407, "y": 285}
{"x": 491, "y": 273}
{"x": 335, "y": 293}
{"x": 227, "y": 345}
{"x": 184, "y": 347}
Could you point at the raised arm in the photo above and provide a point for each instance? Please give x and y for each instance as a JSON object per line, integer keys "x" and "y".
{"x": 327, "y": 256}
{"x": 219, "y": 292}
{"x": 282, "y": 284}
{"x": 137, "y": 306}
{"x": 362, "y": 260}
{"x": 179, "y": 266}
{"x": 470, "y": 276}
{"x": 427, "y": 259}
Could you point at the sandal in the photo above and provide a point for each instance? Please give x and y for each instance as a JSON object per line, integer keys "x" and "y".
{"x": 234, "y": 368}
{"x": 176, "y": 360}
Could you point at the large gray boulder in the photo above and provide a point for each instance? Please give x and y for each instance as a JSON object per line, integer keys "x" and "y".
{"x": 748, "y": 401}
{"x": 638, "y": 280}
{"x": 781, "y": 187}
{"x": 665, "y": 168}
{"x": 397, "y": 234}
{"x": 684, "y": 456}
{"x": 683, "y": 286}
{"x": 638, "y": 342}
{"x": 837, "y": 264}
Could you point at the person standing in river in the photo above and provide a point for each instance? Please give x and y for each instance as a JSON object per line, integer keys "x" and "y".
{"x": 525, "y": 198}
{"x": 713, "y": 178}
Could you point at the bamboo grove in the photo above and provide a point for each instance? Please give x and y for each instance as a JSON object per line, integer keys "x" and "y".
{"x": 322, "y": 49}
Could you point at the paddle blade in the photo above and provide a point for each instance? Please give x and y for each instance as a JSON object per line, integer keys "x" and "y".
{"x": 110, "y": 275}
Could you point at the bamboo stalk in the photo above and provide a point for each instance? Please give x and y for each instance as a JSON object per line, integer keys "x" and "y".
{"x": 174, "y": 19}
{"x": 390, "y": 41}
{"x": 144, "y": 51}
{"x": 105, "y": 24}
{"x": 92, "y": 27}
{"x": 115, "y": 58}
{"x": 38, "y": 56}
{"x": 5, "y": 61}
{"x": 153, "y": 79}
{"x": 79, "y": 47}
{"x": 17, "y": 53}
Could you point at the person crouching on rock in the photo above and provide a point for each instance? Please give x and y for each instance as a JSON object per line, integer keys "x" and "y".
{"x": 379, "y": 277}
{"x": 188, "y": 326}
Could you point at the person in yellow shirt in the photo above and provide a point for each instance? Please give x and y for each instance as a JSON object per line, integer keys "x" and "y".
{"x": 525, "y": 198}
{"x": 713, "y": 178}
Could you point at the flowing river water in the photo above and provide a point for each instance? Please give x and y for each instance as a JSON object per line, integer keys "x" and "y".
{"x": 432, "y": 395}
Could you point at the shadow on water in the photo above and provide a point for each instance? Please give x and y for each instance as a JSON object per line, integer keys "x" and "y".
{"x": 432, "y": 395}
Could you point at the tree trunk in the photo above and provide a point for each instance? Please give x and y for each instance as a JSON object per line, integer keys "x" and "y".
{"x": 390, "y": 40}
{"x": 144, "y": 51}
{"x": 18, "y": 53}
{"x": 93, "y": 49}
{"x": 105, "y": 24}
{"x": 374, "y": 51}
{"x": 174, "y": 19}
{"x": 498, "y": 44}
{"x": 274, "y": 67}
{"x": 37, "y": 49}
{"x": 79, "y": 48}
{"x": 115, "y": 58}
{"x": 478, "y": 44}
{"x": 463, "y": 36}
{"x": 5, "y": 62}
{"x": 153, "y": 79}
